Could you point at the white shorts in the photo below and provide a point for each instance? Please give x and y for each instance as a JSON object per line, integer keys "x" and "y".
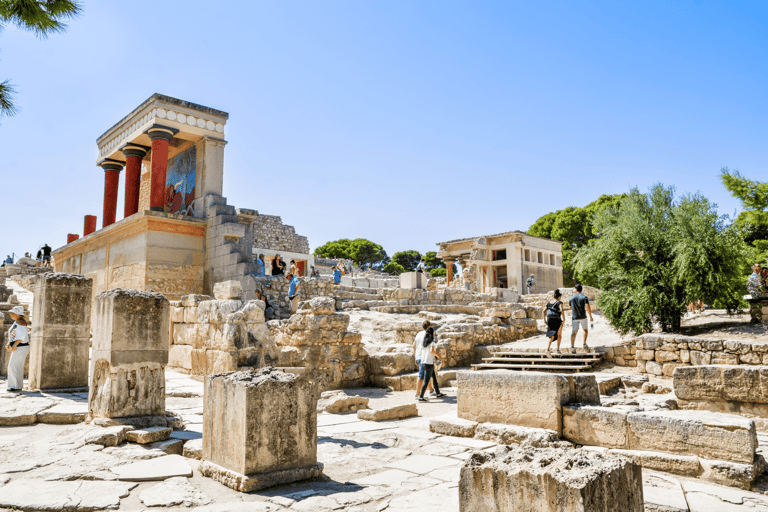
{"x": 581, "y": 322}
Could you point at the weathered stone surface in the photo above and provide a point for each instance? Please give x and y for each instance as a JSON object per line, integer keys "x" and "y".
{"x": 193, "y": 449}
{"x": 159, "y": 468}
{"x": 261, "y": 480}
{"x": 23, "y": 410}
{"x": 512, "y": 434}
{"x": 451, "y": 425}
{"x": 634, "y": 381}
{"x": 64, "y": 414}
{"x": 391, "y": 413}
{"x": 728, "y": 473}
{"x": 596, "y": 426}
{"x": 228, "y": 290}
{"x": 528, "y": 399}
{"x": 60, "y": 340}
{"x": 33, "y": 494}
{"x": 722, "y": 383}
{"x": 707, "y": 434}
{"x": 390, "y": 363}
{"x": 261, "y": 421}
{"x": 338, "y": 401}
{"x": 169, "y": 447}
{"x": 172, "y": 492}
{"x": 107, "y": 436}
{"x": 663, "y": 494}
{"x": 686, "y": 465}
{"x": 549, "y": 479}
{"x": 149, "y": 435}
{"x": 322, "y": 306}
{"x": 584, "y": 389}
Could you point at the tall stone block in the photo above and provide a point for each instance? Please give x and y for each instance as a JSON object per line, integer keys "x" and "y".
{"x": 413, "y": 281}
{"x": 61, "y": 336}
{"x": 131, "y": 339}
{"x": 259, "y": 429}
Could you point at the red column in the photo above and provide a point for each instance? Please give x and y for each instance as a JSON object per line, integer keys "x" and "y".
{"x": 133, "y": 157}
{"x": 160, "y": 136}
{"x": 71, "y": 237}
{"x": 111, "y": 182}
{"x": 448, "y": 270}
{"x": 89, "y": 226}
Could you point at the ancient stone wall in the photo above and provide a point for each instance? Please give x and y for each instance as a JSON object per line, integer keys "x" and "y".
{"x": 270, "y": 233}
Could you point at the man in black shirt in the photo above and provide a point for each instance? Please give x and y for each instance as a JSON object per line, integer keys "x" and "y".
{"x": 579, "y": 309}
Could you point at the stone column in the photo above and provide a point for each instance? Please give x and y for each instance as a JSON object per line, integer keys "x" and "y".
{"x": 160, "y": 136}
{"x": 71, "y": 237}
{"x": 259, "y": 429}
{"x": 89, "y": 225}
{"x": 111, "y": 182}
{"x": 61, "y": 337}
{"x": 133, "y": 157}
{"x": 131, "y": 338}
{"x": 449, "y": 269}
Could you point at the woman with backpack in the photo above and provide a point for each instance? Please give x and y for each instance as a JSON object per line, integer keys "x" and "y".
{"x": 555, "y": 320}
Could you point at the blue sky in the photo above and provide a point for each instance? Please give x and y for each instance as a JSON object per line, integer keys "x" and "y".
{"x": 404, "y": 122}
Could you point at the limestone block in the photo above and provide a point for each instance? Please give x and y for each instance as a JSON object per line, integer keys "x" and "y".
{"x": 259, "y": 422}
{"x": 648, "y": 355}
{"x": 729, "y": 473}
{"x": 708, "y": 434}
{"x": 663, "y": 356}
{"x": 190, "y": 315}
{"x": 687, "y": 465}
{"x": 148, "y": 435}
{"x": 413, "y": 281}
{"x": 193, "y": 300}
{"x": 596, "y": 426}
{"x": 724, "y": 358}
{"x": 228, "y": 290}
{"x": 528, "y": 399}
{"x": 700, "y": 358}
{"x": 391, "y": 413}
{"x": 451, "y": 425}
{"x": 322, "y": 306}
{"x": 496, "y": 313}
{"x": 177, "y": 314}
{"x": 205, "y": 362}
{"x": 60, "y": 339}
{"x": 216, "y": 311}
{"x": 338, "y": 401}
{"x": 390, "y": 363}
{"x": 722, "y": 383}
{"x": 668, "y": 369}
{"x": 549, "y": 480}
{"x": 513, "y": 434}
{"x": 653, "y": 368}
{"x": 751, "y": 358}
{"x": 583, "y": 389}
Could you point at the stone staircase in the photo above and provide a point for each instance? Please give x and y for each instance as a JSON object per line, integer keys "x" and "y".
{"x": 538, "y": 361}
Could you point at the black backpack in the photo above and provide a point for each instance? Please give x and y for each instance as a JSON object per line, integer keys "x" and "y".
{"x": 553, "y": 309}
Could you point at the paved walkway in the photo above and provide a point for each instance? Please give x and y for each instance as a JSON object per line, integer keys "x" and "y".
{"x": 393, "y": 466}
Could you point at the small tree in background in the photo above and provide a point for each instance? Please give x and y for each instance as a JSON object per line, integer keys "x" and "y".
{"x": 43, "y": 17}
{"x": 407, "y": 259}
{"x": 753, "y": 221}
{"x": 432, "y": 261}
{"x": 393, "y": 268}
{"x": 438, "y": 272}
{"x": 367, "y": 254}
{"x": 654, "y": 255}
{"x": 341, "y": 248}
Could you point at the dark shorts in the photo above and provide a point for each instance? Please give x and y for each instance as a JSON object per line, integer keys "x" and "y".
{"x": 553, "y": 325}
{"x": 421, "y": 369}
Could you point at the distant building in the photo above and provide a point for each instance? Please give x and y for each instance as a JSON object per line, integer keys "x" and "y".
{"x": 506, "y": 260}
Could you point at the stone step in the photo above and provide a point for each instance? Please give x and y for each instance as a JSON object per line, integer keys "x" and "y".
{"x": 532, "y": 366}
{"x": 415, "y": 309}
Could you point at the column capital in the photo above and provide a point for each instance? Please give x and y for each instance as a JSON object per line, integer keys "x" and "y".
{"x": 135, "y": 150}
{"x": 112, "y": 165}
{"x": 161, "y": 132}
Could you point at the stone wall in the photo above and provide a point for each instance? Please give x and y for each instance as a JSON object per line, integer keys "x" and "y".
{"x": 660, "y": 354}
{"x": 270, "y": 233}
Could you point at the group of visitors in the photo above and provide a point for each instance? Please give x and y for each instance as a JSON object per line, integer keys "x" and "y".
{"x": 556, "y": 319}
{"x": 428, "y": 360}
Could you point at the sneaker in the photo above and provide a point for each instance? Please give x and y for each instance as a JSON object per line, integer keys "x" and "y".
{"x": 586, "y": 347}
{"x": 440, "y": 395}
{"x": 417, "y": 395}
{"x": 547, "y": 353}
{"x": 422, "y": 399}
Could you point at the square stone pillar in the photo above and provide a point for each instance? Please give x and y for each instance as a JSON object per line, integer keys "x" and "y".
{"x": 413, "y": 281}
{"x": 131, "y": 338}
{"x": 61, "y": 335}
{"x": 259, "y": 429}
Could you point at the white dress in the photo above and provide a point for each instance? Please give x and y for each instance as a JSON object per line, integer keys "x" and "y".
{"x": 17, "y": 334}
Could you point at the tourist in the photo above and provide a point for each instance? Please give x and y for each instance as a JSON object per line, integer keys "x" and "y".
{"x": 336, "y": 275}
{"x": 555, "y": 320}
{"x": 340, "y": 266}
{"x": 579, "y": 308}
{"x": 531, "y": 284}
{"x": 422, "y": 266}
{"x": 9, "y": 260}
{"x": 428, "y": 356}
{"x": 293, "y": 290}
{"x": 46, "y": 255}
{"x": 294, "y": 270}
{"x": 417, "y": 353}
{"x": 756, "y": 286}
{"x": 278, "y": 266}
{"x": 260, "y": 271}
{"x": 314, "y": 273}
{"x": 467, "y": 277}
{"x": 349, "y": 267}
{"x": 18, "y": 345}
{"x": 269, "y": 311}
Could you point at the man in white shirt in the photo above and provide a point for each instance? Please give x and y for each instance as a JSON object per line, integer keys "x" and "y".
{"x": 418, "y": 347}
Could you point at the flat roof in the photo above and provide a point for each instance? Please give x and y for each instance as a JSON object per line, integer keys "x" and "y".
{"x": 498, "y": 234}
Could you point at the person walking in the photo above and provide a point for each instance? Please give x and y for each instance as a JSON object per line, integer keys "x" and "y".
{"x": 336, "y": 275}
{"x": 428, "y": 355}
{"x": 293, "y": 290}
{"x": 46, "y": 255}
{"x": 417, "y": 353}
{"x": 555, "y": 319}
{"x": 260, "y": 270}
{"x": 18, "y": 345}
{"x": 422, "y": 266}
{"x": 579, "y": 308}
{"x": 531, "y": 284}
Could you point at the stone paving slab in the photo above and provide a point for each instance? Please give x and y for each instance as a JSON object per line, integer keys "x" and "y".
{"x": 476, "y": 444}
{"x": 31, "y": 494}
{"x": 423, "y": 464}
{"x": 662, "y": 493}
{"x": 360, "y": 426}
{"x": 159, "y": 468}
{"x": 388, "y": 477}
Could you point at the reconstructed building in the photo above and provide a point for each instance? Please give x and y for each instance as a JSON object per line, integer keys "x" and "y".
{"x": 505, "y": 260}
{"x": 178, "y": 235}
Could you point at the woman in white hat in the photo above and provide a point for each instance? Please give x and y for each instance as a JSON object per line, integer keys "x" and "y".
{"x": 18, "y": 344}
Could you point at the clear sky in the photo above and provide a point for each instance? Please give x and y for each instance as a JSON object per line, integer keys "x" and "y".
{"x": 404, "y": 122}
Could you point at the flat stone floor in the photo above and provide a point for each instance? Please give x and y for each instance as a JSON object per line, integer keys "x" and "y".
{"x": 393, "y": 466}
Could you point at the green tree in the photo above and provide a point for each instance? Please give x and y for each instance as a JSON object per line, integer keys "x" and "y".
{"x": 654, "y": 254}
{"x": 407, "y": 259}
{"x": 341, "y": 248}
{"x": 438, "y": 272}
{"x": 754, "y": 198}
{"x": 393, "y": 268}
{"x": 432, "y": 261}
{"x": 366, "y": 253}
{"x": 43, "y": 17}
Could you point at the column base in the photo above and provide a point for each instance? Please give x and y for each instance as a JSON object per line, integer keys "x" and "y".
{"x": 256, "y": 481}
{"x": 130, "y": 391}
